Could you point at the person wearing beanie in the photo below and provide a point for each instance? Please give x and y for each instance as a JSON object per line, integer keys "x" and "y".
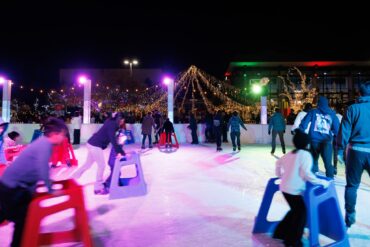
{"x": 295, "y": 169}
{"x": 324, "y": 125}
{"x": 354, "y": 134}
{"x": 277, "y": 125}
{"x": 234, "y": 123}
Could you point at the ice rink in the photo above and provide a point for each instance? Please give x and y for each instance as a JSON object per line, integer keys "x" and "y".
{"x": 196, "y": 197}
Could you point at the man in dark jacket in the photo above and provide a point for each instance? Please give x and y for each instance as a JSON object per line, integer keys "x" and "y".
{"x": 95, "y": 146}
{"x": 193, "y": 127}
{"x": 235, "y": 122}
{"x": 217, "y": 127}
{"x": 168, "y": 129}
{"x": 354, "y": 133}
{"x": 324, "y": 124}
{"x": 277, "y": 125}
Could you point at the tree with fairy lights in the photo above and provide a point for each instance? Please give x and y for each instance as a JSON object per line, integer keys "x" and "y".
{"x": 298, "y": 93}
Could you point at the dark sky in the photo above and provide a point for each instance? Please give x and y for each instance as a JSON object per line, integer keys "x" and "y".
{"x": 38, "y": 39}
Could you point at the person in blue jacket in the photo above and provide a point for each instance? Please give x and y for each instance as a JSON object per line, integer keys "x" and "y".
{"x": 277, "y": 125}
{"x": 324, "y": 125}
{"x": 354, "y": 133}
{"x": 235, "y": 122}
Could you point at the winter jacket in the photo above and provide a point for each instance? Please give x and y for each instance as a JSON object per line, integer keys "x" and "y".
{"x": 324, "y": 122}
{"x": 107, "y": 134}
{"x": 354, "y": 129}
{"x": 277, "y": 122}
{"x": 148, "y": 123}
{"x": 168, "y": 127}
{"x": 235, "y": 122}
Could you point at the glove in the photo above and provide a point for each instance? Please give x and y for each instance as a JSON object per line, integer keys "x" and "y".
{"x": 340, "y": 158}
{"x": 292, "y": 132}
{"x": 325, "y": 183}
{"x": 284, "y": 131}
{"x": 269, "y": 132}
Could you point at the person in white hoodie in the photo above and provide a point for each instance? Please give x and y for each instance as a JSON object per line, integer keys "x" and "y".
{"x": 294, "y": 169}
{"x": 300, "y": 116}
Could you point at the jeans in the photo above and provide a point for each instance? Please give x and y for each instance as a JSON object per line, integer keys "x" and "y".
{"x": 291, "y": 228}
{"x": 356, "y": 163}
{"x": 326, "y": 151}
{"x": 233, "y": 136}
{"x": 94, "y": 154}
{"x": 281, "y": 137}
{"x": 194, "y": 136}
{"x": 14, "y": 204}
{"x": 218, "y": 133}
{"x": 76, "y": 136}
{"x": 150, "y": 140}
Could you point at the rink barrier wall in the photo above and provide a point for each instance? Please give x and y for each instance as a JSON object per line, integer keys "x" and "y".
{"x": 256, "y": 134}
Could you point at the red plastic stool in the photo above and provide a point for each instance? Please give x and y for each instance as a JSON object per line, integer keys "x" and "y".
{"x": 64, "y": 154}
{"x": 12, "y": 152}
{"x": 36, "y": 213}
{"x": 162, "y": 140}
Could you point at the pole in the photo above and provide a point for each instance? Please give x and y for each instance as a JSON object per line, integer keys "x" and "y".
{"x": 263, "y": 110}
{"x": 87, "y": 102}
{"x": 170, "y": 100}
{"x": 7, "y": 89}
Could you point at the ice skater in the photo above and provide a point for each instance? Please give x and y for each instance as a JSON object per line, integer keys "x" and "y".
{"x": 168, "y": 129}
{"x": 193, "y": 127}
{"x": 234, "y": 123}
{"x": 95, "y": 146}
{"x": 277, "y": 125}
{"x": 294, "y": 169}
{"x": 354, "y": 134}
{"x": 147, "y": 127}
{"x": 217, "y": 129}
{"x": 18, "y": 183}
{"x": 324, "y": 125}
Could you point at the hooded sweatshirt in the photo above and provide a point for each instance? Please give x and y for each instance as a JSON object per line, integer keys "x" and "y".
{"x": 324, "y": 122}
{"x": 355, "y": 129}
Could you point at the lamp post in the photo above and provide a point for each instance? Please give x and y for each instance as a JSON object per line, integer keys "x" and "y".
{"x": 169, "y": 82}
{"x": 131, "y": 62}
{"x": 87, "y": 98}
{"x": 257, "y": 89}
{"x": 7, "y": 89}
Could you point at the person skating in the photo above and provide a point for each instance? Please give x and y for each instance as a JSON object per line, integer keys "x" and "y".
{"x": 121, "y": 138}
{"x": 277, "y": 125}
{"x": 294, "y": 169}
{"x": 76, "y": 124}
{"x": 158, "y": 125}
{"x": 95, "y": 146}
{"x": 146, "y": 129}
{"x": 354, "y": 134}
{"x": 193, "y": 127}
{"x": 168, "y": 129}
{"x": 217, "y": 129}
{"x": 324, "y": 125}
{"x": 234, "y": 123}
{"x": 19, "y": 181}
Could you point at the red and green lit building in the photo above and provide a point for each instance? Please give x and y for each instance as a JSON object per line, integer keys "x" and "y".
{"x": 337, "y": 80}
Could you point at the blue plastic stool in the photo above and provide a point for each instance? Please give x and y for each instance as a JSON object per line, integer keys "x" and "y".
{"x": 323, "y": 214}
{"x": 127, "y": 187}
{"x": 36, "y": 134}
{"x": 130, "y": 137}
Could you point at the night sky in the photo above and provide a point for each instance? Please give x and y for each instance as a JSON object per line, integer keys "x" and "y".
{"x": 39, "y": 39}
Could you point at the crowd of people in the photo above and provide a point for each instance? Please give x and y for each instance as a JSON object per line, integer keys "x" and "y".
{"x": 317, "y": 131}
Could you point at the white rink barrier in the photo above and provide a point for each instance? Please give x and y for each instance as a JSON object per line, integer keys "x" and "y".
{"x": 256, "y": 134}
